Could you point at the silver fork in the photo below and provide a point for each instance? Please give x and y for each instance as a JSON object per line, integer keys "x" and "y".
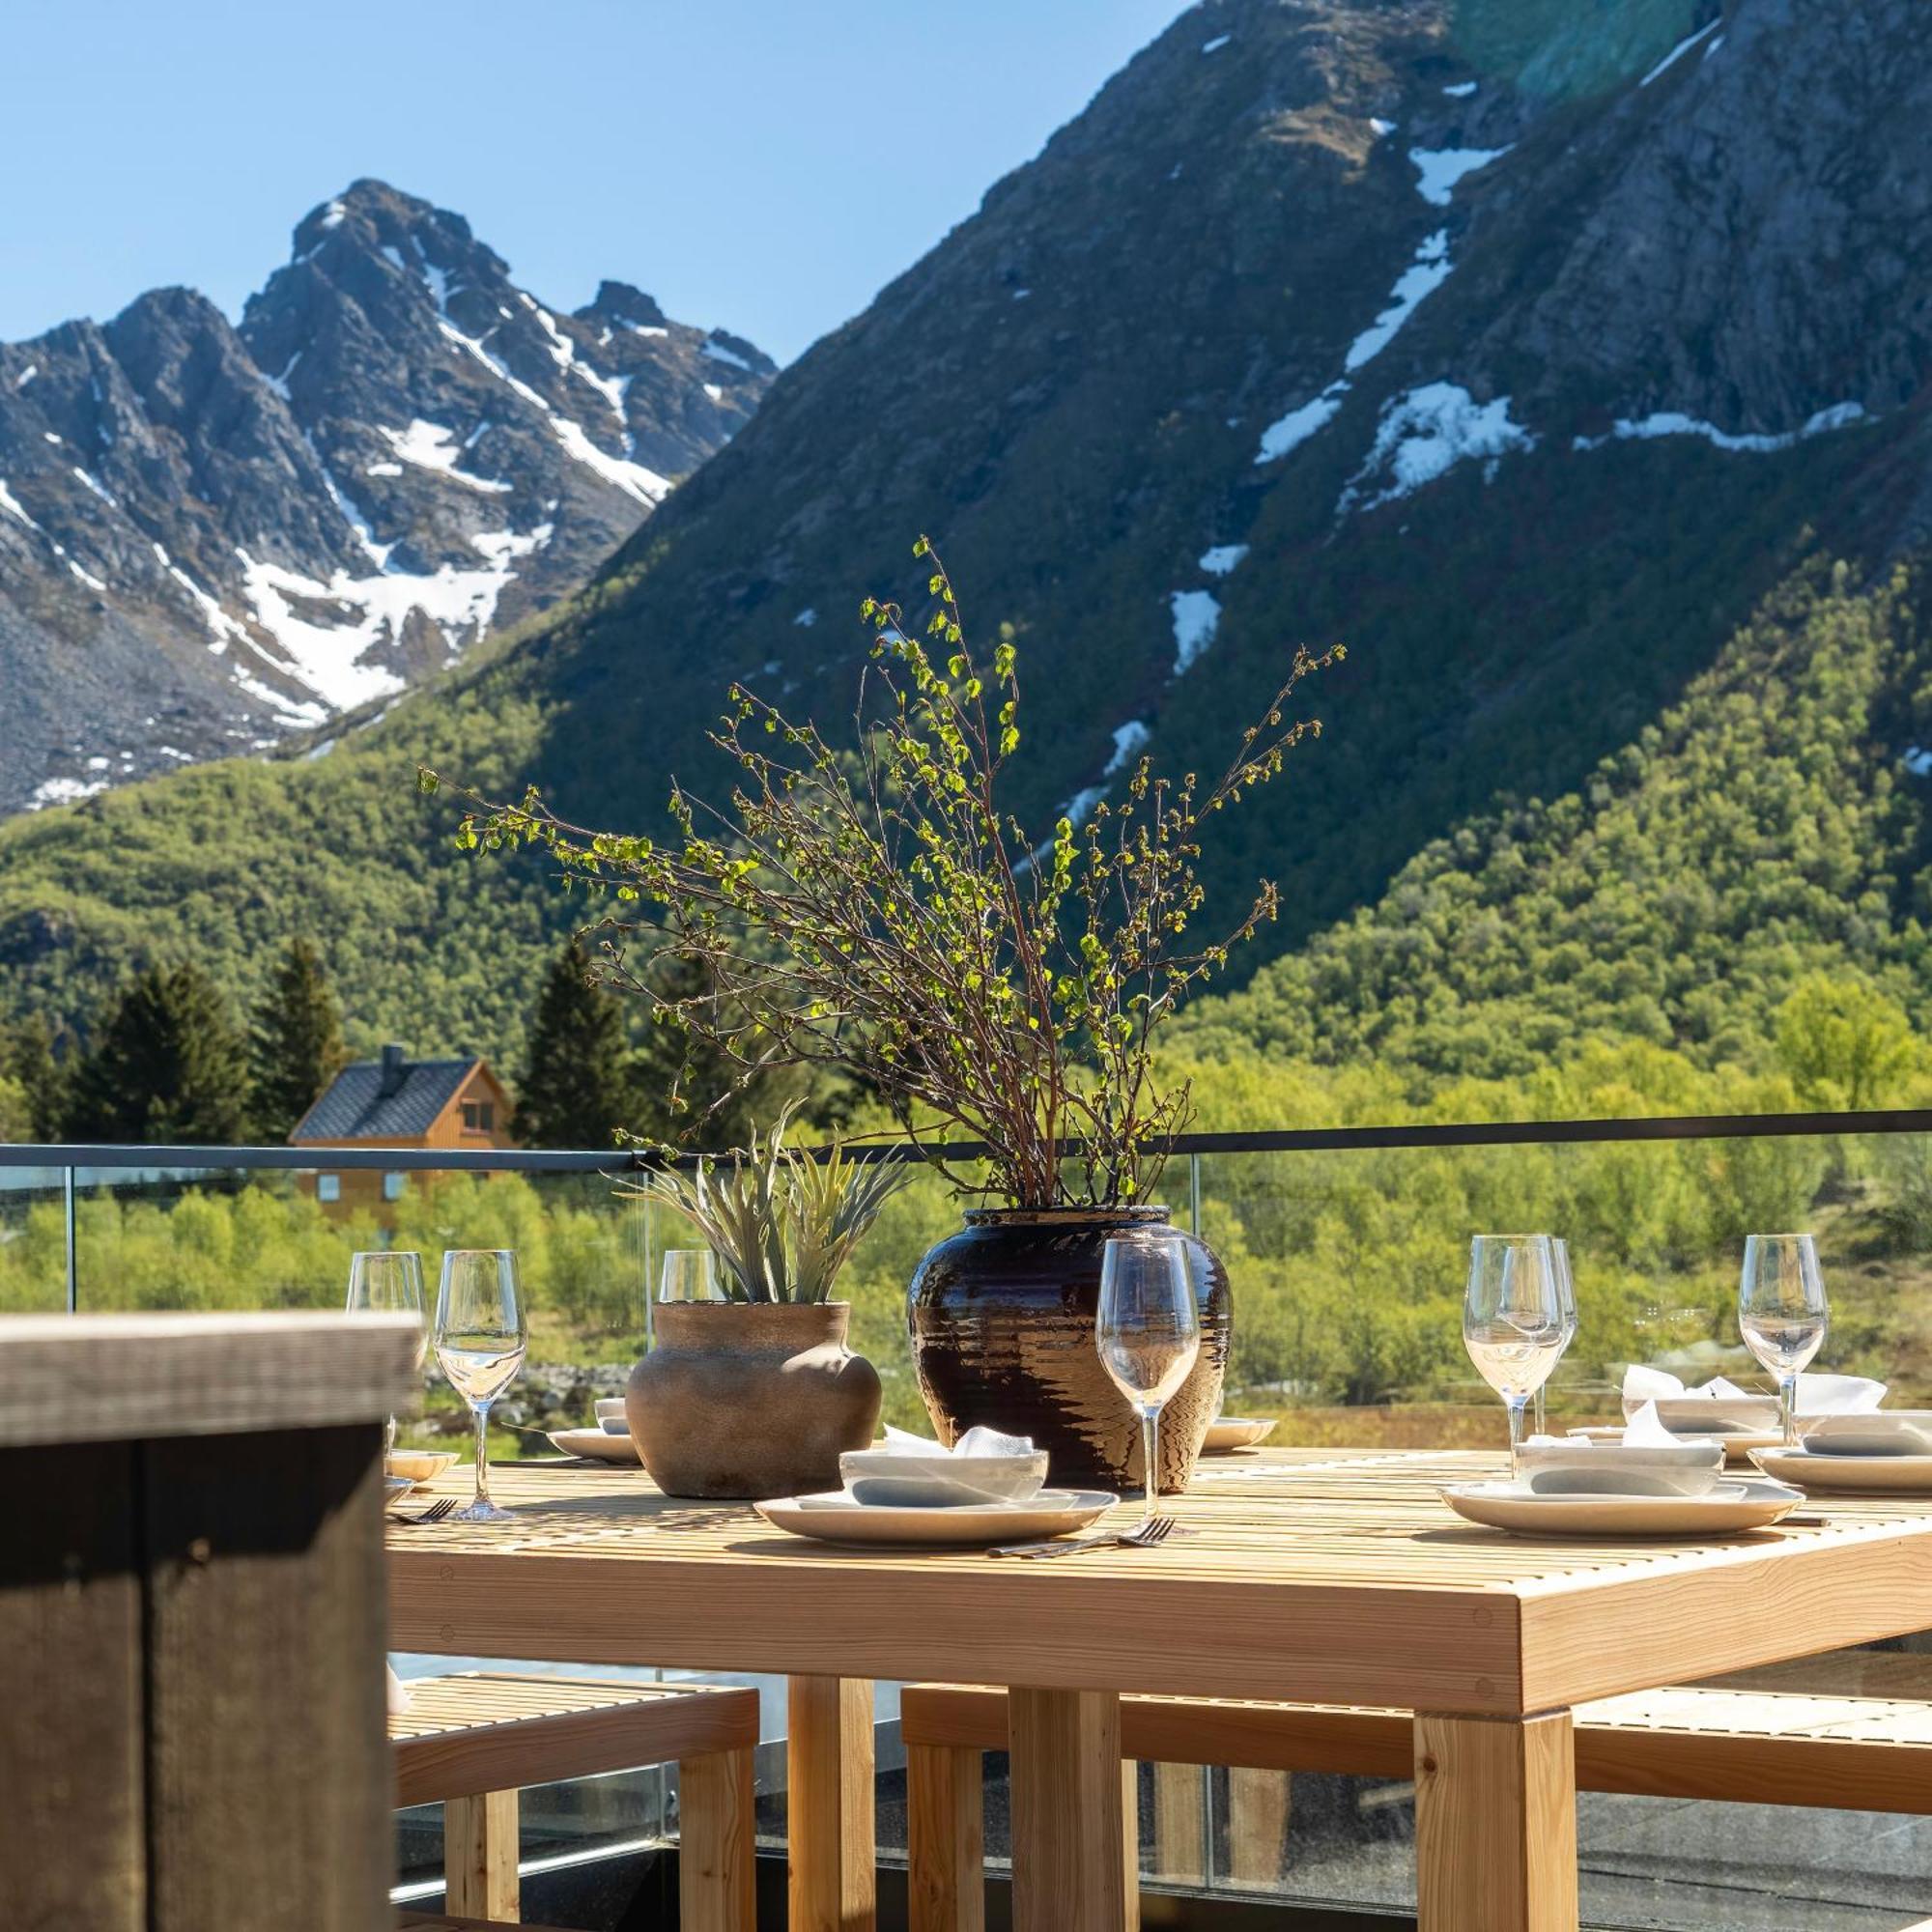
{"x": 442, "y": 1506}
{"x": 1155, "y": 1530}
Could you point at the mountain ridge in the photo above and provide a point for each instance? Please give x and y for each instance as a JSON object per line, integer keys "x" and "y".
{"x": 1290, "y": 337}
{"x": 213, "y": 536}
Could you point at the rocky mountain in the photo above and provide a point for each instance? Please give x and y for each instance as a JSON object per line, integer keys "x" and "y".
{"x": 213, "y": 536}
{"x": 1530, "y": 349}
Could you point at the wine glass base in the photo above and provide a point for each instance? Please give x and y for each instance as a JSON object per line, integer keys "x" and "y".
{"x": 482, "y": 1512}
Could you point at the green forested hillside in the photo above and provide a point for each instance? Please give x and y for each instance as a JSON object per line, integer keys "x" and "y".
{"x": 1769, "y": 826}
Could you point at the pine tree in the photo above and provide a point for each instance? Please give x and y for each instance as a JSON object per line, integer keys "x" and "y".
{"x": 294, "y": 1045}
{"x": 169, "y": 1066}
{"x": 30, "y": 1064}
{"x": 577, "y": 1088}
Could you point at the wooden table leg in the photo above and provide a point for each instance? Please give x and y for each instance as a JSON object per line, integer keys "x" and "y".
{"x": 479, "y": 1856}
{"x": 829, "y": 1804}
{"x": 1495, "y": 1824}
{"x": 1069, "y": 1860}
{"x": 718, "y": 1842}
{"x": 946, "y": 1838}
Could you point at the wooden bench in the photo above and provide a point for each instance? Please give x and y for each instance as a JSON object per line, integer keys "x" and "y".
{"x": 1748, "y": 1745}
{"x": 471, "y": 1740}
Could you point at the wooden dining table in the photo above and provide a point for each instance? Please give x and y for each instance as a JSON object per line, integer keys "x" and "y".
{"x": 1322, "y": 1576}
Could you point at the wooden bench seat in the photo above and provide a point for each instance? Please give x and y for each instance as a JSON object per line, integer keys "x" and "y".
{"x": 1747, "y": 1746}
{"x": 471, "y": 1741}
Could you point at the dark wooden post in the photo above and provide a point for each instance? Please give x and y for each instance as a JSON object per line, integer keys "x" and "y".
{"x": 192, "y": 1623}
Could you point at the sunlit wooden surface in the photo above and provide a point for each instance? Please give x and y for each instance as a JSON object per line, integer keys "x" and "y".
{"x": 1318, "y": 1576}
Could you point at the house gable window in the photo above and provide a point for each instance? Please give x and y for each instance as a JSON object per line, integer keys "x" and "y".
{"x": 328, "y": 1187}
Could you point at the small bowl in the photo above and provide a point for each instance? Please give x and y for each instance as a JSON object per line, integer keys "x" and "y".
{"x": 902, "y": 1479}
{"x": 1879, "y": 1431}
{"x": 420, "y": 1465}
{"x": 610, "y": 1416}
{"x": 1612, "y": 1469}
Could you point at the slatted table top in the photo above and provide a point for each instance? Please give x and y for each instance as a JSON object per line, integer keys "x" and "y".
{"x": 1315, "y": 1576}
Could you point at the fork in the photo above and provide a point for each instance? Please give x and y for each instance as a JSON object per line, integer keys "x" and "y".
{"x": 1156, "y": 1530}
{"x": 442, "y": 1506}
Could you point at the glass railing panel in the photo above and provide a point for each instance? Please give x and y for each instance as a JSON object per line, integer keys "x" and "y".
{"x": 33, "y": 1240}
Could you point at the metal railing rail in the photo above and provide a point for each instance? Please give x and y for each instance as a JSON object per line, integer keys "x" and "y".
{"x": 1279, "y": 1140}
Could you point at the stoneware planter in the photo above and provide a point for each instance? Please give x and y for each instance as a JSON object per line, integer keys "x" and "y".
{"x": 1002, "y": 1320}
{"x": 747, "y": 1400}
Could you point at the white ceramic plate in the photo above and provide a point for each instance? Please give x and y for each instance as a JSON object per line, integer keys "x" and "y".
{"x": 1910, "y": 1475}
{"x": 1237, "y": 1431}
{"x": 912, "y": 1479}
{"x": 1878, "y": 1431}
{"x": 835, "y": 1518}
{"x": 1722, "y": 1512}
{"x": 597, "y": 1444}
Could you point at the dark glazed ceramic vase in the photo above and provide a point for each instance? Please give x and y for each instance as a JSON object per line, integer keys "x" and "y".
{"x": 1002, "y": 1318}
{"x": 747, "y": 1400}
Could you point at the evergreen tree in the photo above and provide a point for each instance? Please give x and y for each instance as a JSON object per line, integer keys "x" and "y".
{"x": 169, "y": 1066}
{"x": 295, "y": 1041}
{"x": 31, "y": 1067}
{"x": 577, "y": 1086}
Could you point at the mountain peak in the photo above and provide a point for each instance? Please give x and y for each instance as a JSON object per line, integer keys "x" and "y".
{"x": 372, "y": 216}
{"x": 619, "y": 301}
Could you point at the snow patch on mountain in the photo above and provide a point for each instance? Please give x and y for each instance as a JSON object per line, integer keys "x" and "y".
{"x": 1426, "y": 273}
{"x": 1682, "y": 48}
{"x": 1439, "y": 169}
{"x": 1221, "y": 558}
{"x": 429, "y": 446}
{"x": 1197, "y": 616}
{"x": 1292, "y": 431}
{"x": 1423, "y": 434}
{"x": 1674, "y": 423}
{"x": 1130, "y": 741}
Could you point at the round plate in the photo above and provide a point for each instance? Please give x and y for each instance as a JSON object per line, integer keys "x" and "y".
{"x": 1237, "y": 1431}
{"x": 1911, "y": 1475}
{"x": 835, "y": 1518}
{"x": 1729, "y": 1508}
{"x": 597, "y": 1445}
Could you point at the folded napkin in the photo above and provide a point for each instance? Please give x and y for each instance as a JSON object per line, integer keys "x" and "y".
{"x": 1646, "y": 1430}
{"x": 1817, "y": 1395}
{"x": 399, "y": 1694}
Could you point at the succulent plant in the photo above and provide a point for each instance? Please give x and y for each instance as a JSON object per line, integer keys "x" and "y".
{"x": 781, "y": 1223}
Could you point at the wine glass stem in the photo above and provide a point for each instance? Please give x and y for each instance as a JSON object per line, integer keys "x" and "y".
{"x": 481, "y": 1411}
{"x": 1151, "y": 1457}
{"x": 1541, "y": 1414}
{"x": 1516, "y": 1404}
{"x": 388, "y": 1440}
{"x": 1787, "y": 1408}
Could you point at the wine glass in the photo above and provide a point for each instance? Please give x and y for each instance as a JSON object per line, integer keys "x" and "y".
{"x": 1781, "y": 1313}
{"x": 480, "y": 1339}
{"x": 389, "y": 1282}
{"x": 1512, "y": 1320}
{"x": 1148, "y": 1333}
{"x": 689, "y": 1274}
{"x": 1566, "y": 1294}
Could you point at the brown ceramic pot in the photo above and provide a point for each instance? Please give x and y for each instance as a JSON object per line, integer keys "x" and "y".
{"x": 744, "y": 1399}
{"x": 1002, "y": 1316}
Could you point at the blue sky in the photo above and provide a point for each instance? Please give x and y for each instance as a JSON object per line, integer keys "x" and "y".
{"x": 765, "y": 166}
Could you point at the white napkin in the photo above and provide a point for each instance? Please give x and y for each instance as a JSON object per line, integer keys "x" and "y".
{"x": 399, "y": 1694}
{"x": 1817, "y": 1395}
{"x": 1643, "y": 1431}
{"x": 978, "y": 1441}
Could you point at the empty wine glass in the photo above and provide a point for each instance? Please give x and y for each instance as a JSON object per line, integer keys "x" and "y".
{"x": 1512, "y": 1320}
{"x": 1781, "y": 1313}
{"x": 689, "y": 1274}
{"x": 1566, "y": 1292}
{"x": 480, "y": 1339}
{"x": 391, "y": 1281}
{"x": 1148, "y": 1334}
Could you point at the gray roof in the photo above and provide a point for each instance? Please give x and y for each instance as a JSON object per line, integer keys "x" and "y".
{"x": 356, "y": 1107}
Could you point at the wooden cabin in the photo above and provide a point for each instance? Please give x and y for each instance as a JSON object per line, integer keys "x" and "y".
{"x": 399, "y": 1102}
